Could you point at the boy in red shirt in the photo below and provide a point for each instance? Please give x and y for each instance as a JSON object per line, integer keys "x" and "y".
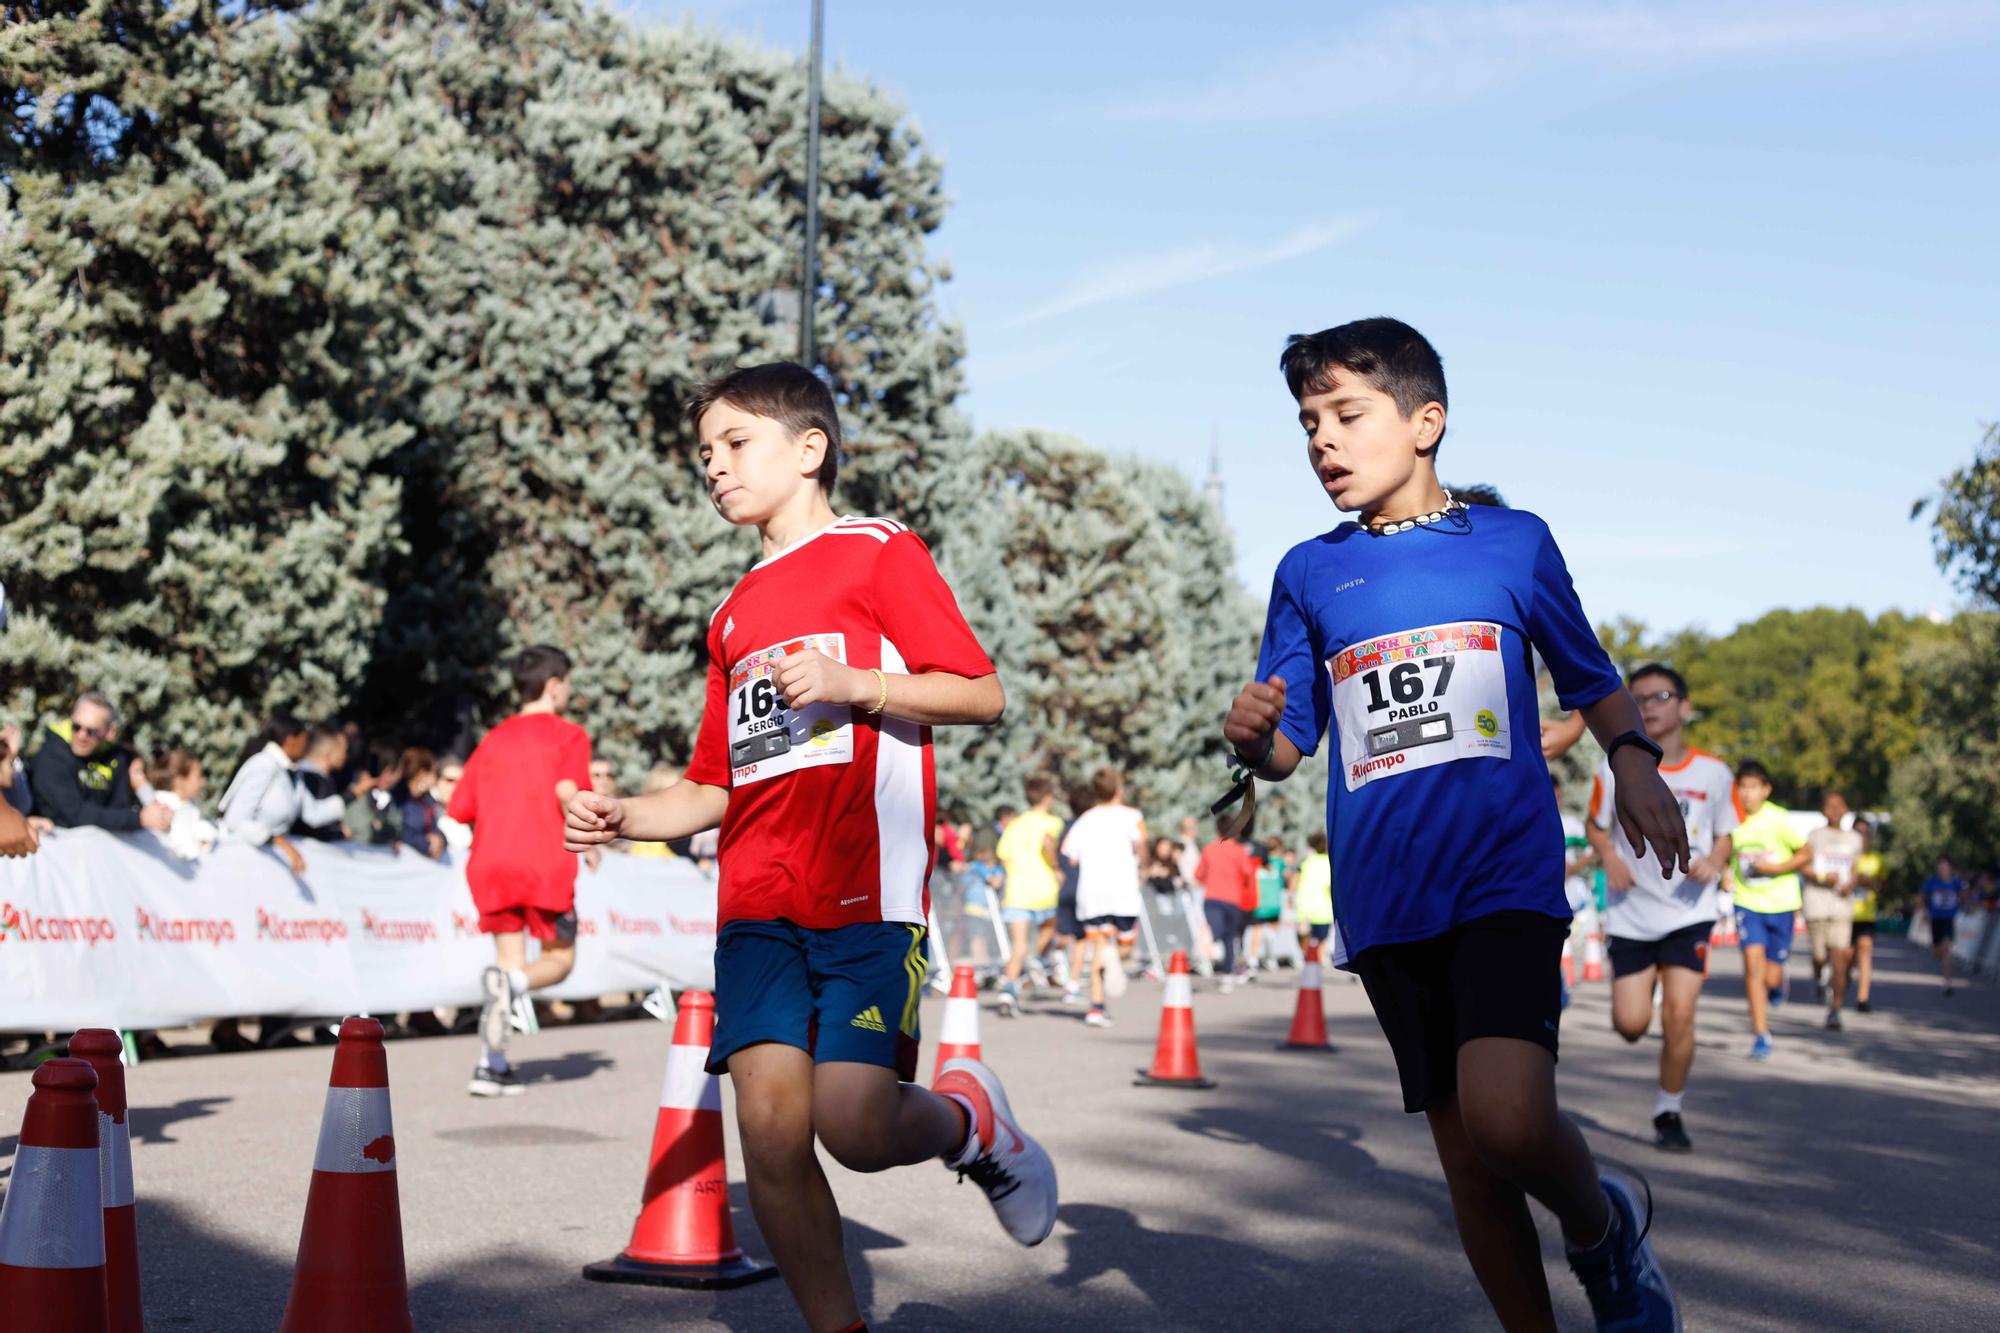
{"x": 827, "y": 666}
{"x": 523, "y": 881}
{"x": 1228, "y": 877}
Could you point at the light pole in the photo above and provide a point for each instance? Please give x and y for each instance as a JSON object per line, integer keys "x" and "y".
{"x": 809, "y": 287}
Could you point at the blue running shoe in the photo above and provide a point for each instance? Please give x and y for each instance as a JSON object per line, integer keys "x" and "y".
{"x": 1628, "y": 1292}
{"x": 1760, "y": 1049}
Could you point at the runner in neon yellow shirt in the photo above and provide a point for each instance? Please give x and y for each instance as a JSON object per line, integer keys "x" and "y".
{"x": 1867, "y": 881}
{"x": 1769, "y": 853}
{"x": 1028, "y": 857}
{"x": 1313, "y": 898}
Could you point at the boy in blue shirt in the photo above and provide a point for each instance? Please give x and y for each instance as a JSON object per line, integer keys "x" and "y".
{"x": 1409, "y": 631}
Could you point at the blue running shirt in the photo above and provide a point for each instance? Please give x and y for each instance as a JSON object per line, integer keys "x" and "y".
{"x": 1416, "y": 648}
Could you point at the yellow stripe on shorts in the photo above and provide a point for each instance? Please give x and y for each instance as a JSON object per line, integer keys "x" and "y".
{"x": 917, "y": 966}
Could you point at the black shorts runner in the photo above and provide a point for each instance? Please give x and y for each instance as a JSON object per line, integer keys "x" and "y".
{"x": 1686, "y": 947}
{"x": 1943, "y": 931}
{"x": 1864, "y": 929}
{"x": 1493, "y": 976}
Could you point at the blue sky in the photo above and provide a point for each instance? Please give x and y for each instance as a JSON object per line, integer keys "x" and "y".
{"x": 1717, "y": 285}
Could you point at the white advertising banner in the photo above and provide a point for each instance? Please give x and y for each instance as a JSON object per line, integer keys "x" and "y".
{"x": 114, "y": 930}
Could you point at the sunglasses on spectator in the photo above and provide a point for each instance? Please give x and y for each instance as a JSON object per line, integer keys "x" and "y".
{"x": 1656, "y": 696}
{"x": 85, "y": 729}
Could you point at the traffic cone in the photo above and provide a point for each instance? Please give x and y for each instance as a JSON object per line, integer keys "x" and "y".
{"x": 52, "y": 1224}
{"x": 1593, "y": 957}
{"x": 958, "y": 1035}
{"x": 350, "y": 1274}
{"x": 1175, "y": 1064}
{"x": 1568, "y": 963}
{"x": 683, "y": 1237}
{"x": 101, "y": 1049}
{"x": 1309, "y": 1018}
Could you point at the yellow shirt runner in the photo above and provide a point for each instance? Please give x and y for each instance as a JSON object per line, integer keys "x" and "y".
{"x": 1031, "y": 881}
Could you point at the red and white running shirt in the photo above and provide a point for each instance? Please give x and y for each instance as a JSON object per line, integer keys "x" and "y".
{"x": 830, "y": 810}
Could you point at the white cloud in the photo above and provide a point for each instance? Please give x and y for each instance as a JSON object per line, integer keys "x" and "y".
{"x": 1148, "y": 275}
{"x": 1422, "y": 57}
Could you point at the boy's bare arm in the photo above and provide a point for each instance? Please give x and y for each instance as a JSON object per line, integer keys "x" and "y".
{"x": 1252, "y": 725}
{"x": 1648, "y": 812}
{"x": 934, "y": 698}
{"x": 684, "y": 809}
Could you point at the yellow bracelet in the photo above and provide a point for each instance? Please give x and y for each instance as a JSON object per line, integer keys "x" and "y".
{"x": 882, "y": 702}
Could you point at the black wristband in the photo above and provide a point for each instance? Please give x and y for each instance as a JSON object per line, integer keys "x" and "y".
{"x": 1636, "y": 738}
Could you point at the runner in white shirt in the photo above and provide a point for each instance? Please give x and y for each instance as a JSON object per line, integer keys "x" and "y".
{"x": 1659, "y": 925}
{"x": 1107, "y": 843}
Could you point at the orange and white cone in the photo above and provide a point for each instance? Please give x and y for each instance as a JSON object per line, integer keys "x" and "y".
{"x": 101, "y": 1048}
{"x": 350, "y": 1272}
{"x": 1309, "y": 1018}
{"x": 52, "y": 1224}
{"x": 1175, "y": 1063}
{"x": 684, "y": 1237}
{"x": 958, "y": 1034}
{"x": 1593, "y": 956}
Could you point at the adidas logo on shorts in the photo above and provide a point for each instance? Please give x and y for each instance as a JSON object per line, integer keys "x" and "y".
{"x": 871, "y": 1019}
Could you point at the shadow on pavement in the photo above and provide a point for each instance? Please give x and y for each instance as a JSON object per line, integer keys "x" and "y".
{"x": 575, "y": 1065}
{"x": 149, "y": 1123}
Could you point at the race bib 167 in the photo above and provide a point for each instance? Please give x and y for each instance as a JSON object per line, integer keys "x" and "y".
{"x": 1419, "y": 697}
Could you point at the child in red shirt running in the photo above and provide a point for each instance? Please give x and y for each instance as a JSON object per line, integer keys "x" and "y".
{"x": 523, "y": 881}
{"x": 828, "y": 665}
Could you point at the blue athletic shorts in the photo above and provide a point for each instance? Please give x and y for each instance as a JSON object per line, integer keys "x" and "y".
{"x": 1772, "y": 930}
{"x": 1034, "y": 916}
{"x": 1319, "y": 930}
{"x": 846, "y": 994}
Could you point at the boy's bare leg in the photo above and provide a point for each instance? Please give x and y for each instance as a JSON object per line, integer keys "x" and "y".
{"x": 870, "y": 1121}
{"x": 1099, "y": 958}
{"x": 510, "y": 951}
{"x": 1864, "y": 967}
{"x": 1017, "y": 956}
{"x": 1632, "y": 1003}
{"x": 789, "y": 1194}
{"x": 1507, "y": 1106}
{"x": 1757, "y": 987}
{"x": 1494, "y": 1227}
{"x": 1680, "y": 987}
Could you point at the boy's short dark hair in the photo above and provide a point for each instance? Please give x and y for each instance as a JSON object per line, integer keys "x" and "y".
{"x": 1663, "y": 671}
{"x": 787, "y": 393}
{"x": 1387, "y": 353}
{"x": 1316, "y": 840}
{"x": 1037, "y": 787}
{"x": 1750, "y": 768}
{"x": 1106, "y": 783}
{"x": 535, "y": 668}
{"x": 417, "y": 760}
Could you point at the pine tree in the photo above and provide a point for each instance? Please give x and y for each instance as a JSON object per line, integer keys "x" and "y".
{"x": 194, "y": 515}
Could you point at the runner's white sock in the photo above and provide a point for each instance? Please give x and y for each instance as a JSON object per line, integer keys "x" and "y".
{"x": 518, "y": 980}
{"x": 965, "y": 1150}
{"x": 1668, "y": 1101}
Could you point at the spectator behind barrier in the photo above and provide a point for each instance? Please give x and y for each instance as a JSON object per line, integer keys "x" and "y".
{"x": 192, "y": 833}
{"x": 322, "y": 801}
{"x": 82, "y": 777}
{"x": 416, "y": 808}
{"x": 451, "y": 771}
{"x": 14, "y": 772}
{"x": 262, "y": 801}
{"x": 372, "y": 816}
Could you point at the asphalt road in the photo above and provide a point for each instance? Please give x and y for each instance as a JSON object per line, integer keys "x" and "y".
{"x": 1853, "y": 1182}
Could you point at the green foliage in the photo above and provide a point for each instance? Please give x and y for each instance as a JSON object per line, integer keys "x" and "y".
{"x": 194, "y": 512}
{"x": 1942, "y": 795}
{"x": 1822, "y": 697}
{"x": 1965, "y": 522}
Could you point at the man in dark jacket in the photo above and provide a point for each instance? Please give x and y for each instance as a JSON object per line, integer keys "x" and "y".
{"x": 81, "y": 777}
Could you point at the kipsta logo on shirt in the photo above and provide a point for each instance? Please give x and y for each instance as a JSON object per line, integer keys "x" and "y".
{"x": 1351, "y": 583}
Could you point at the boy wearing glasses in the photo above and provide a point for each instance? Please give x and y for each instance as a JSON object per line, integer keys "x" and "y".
{"x": 1659, "y": 922}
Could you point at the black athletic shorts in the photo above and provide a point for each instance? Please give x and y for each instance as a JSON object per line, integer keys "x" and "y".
{"x": 1493, "y": 976}
{"x": 1863, "y": 929}
{"x": 1686, "y": 947}
{"x": 1943, "y": 930}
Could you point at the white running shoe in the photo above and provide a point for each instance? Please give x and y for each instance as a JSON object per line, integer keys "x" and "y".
{"x": 1097, "y": 1018}
{"x": 1018, "y": 1177}
{"x": 493, "y": 1018}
